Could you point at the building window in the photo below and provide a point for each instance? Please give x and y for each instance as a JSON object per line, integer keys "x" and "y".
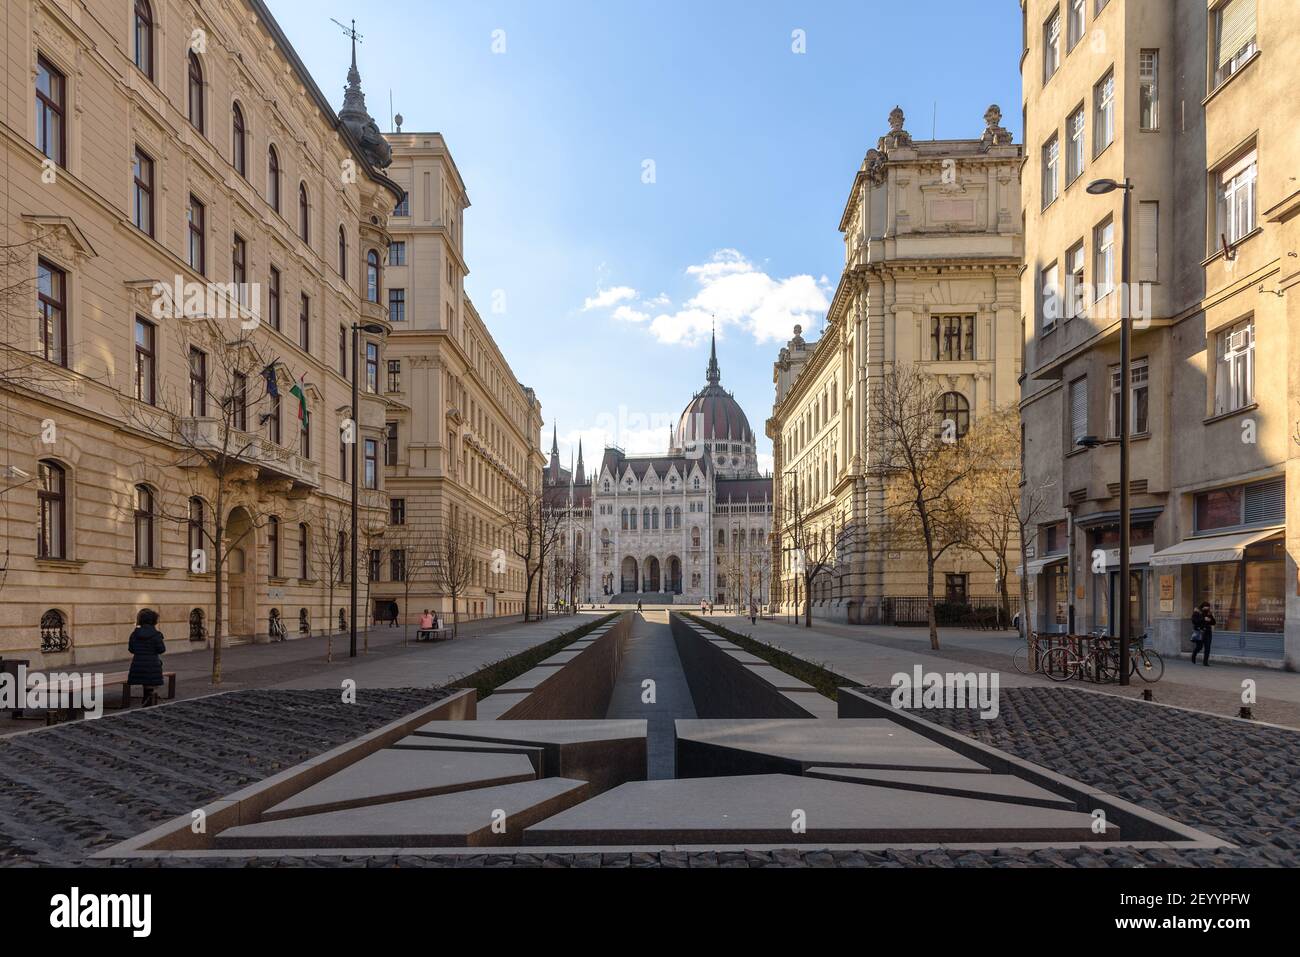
{"x": 1234, "y": 37}
{"x": 1074, "y": 281}
{"x": 372, "y": 367}
{"x": 273, "y": 420}
{"x": 397, "y": 563}
{"x": 273, "y": 178}
{"x": 373, "y": 559}
{"x": 1074, "y": 155}
{"x": 394, "y": 375}
{"x": 304, "y": 214}
{"x": 1148, "y": 241}
{"x": 198, "y": 240}
{"x": 372, "y": 276}
{"x": 142, "y": 192}
{"x": 954, "y": 588}
{"x": 390, "y": 443}
{"x": 273, "y": 546}
{"x": 52, "y": 306}
{"x": 952, "y": 338}
{"x": 198, "y": 382}
{"x": 195, "y": 88}
{"x": 145, "y": 360}
{"x": 1139, "y": 406}
{"x": 397, "y": 511}
{"x": 343, "y": 253}
{"x": 1103, "y": 112}
{"x": 343, "y": 351}
{"x": 1149, "y": 89}
{"x": 304, "y": 322}
{"x": 51, "y": 128}
{"x": 1051, "y": 169}
{"x": 1234, "y": 367}
{"x": 1262, "y": 503}
{"x": 239, "y": 268}
{"x": 304, "y": 436}
{"x": 403, "y": 207}
{"x": 144, "y": 527}
{"x": 52, "y": 497}
{"x": 1078, "y": 410}
{"x": 397, "y": 305}
{"x": 1050, "y": 307}
{"x": 343, "y": 456}
{"x": 144, "y": 37}
{"x": 194, "y": 535}
{"x": 273, "y": 299}
{"x": 371, "y": 474}
{"x": 239, "y": 401}
{"x": 1075, "y": 24}
{"x": 239, "y": 141}
{"x": 955, "y": 408}
{"x": 1235, "y": 199}
{"x": 397, "y": 254}
{"x": 304, "y": 551}
{"x": 1052, "y": 44}
{"x": 1103, "y": 257}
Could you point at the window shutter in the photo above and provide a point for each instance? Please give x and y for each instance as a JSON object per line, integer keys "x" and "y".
{"x": 1078, "y": 409}
{"x": 1236, "y": 28}
{"x": 1266, "y": 502}
{"x": 1148, "y": 232}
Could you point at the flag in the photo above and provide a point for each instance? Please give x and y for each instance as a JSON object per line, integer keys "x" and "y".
{"x": 268, "y": 374}
{"x": 299, "y": 392}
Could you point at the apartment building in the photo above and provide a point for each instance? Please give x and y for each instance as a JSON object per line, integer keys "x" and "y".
{"x": 462, "y": 433}
{"x": 932, "y": 249}
{"x": 1193, "y": 104}
{"x": 191, "y": 234}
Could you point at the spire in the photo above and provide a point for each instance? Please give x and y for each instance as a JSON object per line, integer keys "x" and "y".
{"x": 356, "y": 118}
{"x": 580, "y": 476}
{"x": 714, "y": 375}
{"x": 555, "y": 442}
{"x": 354, "y": 101}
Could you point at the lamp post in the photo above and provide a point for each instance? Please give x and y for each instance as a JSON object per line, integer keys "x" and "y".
{"x": 369, "y": 328}
{"x": 1100, "y": 187}
{"x": 798, "y": 549}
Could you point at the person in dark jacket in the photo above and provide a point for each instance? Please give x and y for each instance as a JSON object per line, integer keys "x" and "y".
{"x": 1202, "y": 631}
{"x": 146, "y": 647}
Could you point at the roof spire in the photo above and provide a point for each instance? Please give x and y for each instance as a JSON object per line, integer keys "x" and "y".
{"x": 555, "y": 442}
{"x": 713, "y": 374}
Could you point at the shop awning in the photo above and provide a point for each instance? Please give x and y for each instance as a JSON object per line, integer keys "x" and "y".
{"x": 1038, "y": 564}
{"x": 1212, "y": 548}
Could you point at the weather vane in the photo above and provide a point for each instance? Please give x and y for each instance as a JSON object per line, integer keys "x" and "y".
{"x": 350, "y": 31}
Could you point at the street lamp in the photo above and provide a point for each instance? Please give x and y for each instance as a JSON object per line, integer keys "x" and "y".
{"x": 370, "y": 329}
{"x": 1100, "y": 187}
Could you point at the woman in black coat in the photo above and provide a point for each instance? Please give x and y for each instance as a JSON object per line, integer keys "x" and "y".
{"x": 1202, "y": 631}
{"x": 146, "y": 647}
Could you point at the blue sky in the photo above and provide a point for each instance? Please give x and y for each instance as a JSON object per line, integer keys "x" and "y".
{"x": 610, "y": 267}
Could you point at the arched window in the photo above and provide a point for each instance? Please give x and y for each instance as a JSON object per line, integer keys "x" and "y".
{"x": 273, "y": 546}
{"x": 196, "y": 92}
{"x": 624, "y": 519}
{"x": 654, "y": 518}
{"x": 54, "y": 632}
{"x": 304, "y": 560}
{"x": 954, "y": 408}
{"x": 51, "y": 530}
{"x": 239, "y": 142}
{"x": 343, "y": 253}
{"x": 197, "y": 540}
{"x": 273, "y": 178}
{"x": 372, "y": 276}
{"x": 695, "y": 537}
{"x": 645, "y": 518}
{"x": 144, "y": 527}
{"x": 304, "y": 214}
{"x": 198, "y": 631}
{"x": 144, "y": 37}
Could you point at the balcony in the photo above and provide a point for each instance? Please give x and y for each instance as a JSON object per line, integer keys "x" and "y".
{"x": 211, "y": 437}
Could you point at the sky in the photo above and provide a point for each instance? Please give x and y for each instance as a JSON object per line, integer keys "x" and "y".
{"x": 638, "y": 171}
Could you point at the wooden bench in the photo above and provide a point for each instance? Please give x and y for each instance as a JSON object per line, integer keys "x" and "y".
{"x": 433, "y": 634}
{"x": 120, "y": 678}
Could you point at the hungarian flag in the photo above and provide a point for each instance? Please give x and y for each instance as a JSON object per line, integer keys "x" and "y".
{"x": 299, "y": 393}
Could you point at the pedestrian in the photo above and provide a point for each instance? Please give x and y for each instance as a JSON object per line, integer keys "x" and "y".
{"x": 703, "y": 606}
{"x": 146, "y": 646}
{"x": 753, "y": 613}
{"x": 638, "y": 604}
{"x": 1203, "y": 623}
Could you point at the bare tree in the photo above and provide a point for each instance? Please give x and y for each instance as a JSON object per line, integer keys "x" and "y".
{"x": 333, "y": 553}
{"x": 994, "y": 494}
{"x": 523, "y": 516}
{"x": 815, "y": 546}
{"x": 419, "y": 551}
{"x": 453, "y": 565}
{"x": 927, "y": 465}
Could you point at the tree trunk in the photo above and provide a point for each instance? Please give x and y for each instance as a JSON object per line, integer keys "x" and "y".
{"x": 929, "y": 595}
{"x": 455, "y": 616}
{"x": 219, "y": 580}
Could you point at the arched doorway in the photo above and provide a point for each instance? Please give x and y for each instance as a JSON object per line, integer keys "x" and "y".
{"x": 675, "y": 575}
{"x": 652, "y": 574}
{"x": 629, "y": 574}
{"x": 241, "y": 574}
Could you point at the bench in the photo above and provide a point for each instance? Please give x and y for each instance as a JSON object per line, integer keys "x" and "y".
{"x": 432, "y": 634}
{"x": 120, "y": 678}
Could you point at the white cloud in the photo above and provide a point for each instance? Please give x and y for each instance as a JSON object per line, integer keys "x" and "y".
{"x": 766, "y": 463}
{"x": 605, "y": 298}
{"x": 732, "y": 291}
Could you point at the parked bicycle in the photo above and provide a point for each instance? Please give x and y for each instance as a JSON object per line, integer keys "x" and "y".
{"x": 1034, "y": 649}
{"x": 1100, "y": 663}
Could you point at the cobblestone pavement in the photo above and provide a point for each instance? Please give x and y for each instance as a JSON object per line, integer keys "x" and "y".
{"x": 74, "y": 789}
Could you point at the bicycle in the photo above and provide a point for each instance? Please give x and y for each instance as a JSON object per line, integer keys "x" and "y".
{"x": 1040, "y": 644}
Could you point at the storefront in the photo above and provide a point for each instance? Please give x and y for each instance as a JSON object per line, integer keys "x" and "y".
{"x": 1103, "y": 569}
{"x": 1243, "y": 577}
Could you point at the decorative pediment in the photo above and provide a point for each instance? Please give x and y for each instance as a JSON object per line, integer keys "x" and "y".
{"x": 60, "y": 237}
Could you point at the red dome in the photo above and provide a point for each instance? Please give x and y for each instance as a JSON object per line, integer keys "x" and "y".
{"x": 717, "y": 415}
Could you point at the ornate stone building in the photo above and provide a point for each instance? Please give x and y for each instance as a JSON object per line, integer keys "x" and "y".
{"x": 691, "y": 524}
{"x": 463, "y": 432}
{"x": 932, "y": 250}
{"x": 191, "y": 235}
{"x": 1193, "y": 103}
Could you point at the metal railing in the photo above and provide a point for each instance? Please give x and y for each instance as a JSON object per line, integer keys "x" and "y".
{"x": 977, "y": 611}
